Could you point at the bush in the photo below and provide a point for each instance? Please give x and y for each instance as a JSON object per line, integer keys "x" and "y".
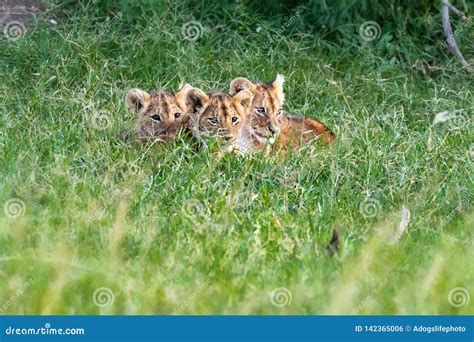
{"x": 408, "y": 29}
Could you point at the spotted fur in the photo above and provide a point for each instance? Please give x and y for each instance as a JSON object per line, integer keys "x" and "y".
{"x": 161, "y": 114}
{"x": 297, "y": 130}
{"x": 270, "y": 124}
{"x": 219, "y": 114}
{"x": 265, "y": 110}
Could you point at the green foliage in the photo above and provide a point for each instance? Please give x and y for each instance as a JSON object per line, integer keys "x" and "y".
{"x": 159, "y": 225}
{"x": 408, "y": 29}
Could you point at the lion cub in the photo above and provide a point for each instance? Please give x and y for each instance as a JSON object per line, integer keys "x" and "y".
{"x": 265, "y": 110}
{"x": 220, "y": 115}
{"x": 161, "y": 114}
{"x": 268, "y": 120}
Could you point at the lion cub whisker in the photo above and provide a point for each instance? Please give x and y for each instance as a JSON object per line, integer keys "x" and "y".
{"x": 248, "y": 118}
{"x": 270, "y": 125}
{"x": 161, "y": 115}
{"x": 219, "y": 115}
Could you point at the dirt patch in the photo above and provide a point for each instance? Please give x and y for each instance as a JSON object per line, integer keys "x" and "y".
{"x": 19, "y": 10}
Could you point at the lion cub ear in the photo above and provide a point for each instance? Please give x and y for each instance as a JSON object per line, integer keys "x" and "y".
{"x": 185, "y": 88}
{"x": 240, "y": 84}
{"x": 181, "y": 94}
{"x": 195, "y": 100}
{"x": 243, "y": 98}
{"x": 137, "y": 100}
{"x": 278, "y": 87}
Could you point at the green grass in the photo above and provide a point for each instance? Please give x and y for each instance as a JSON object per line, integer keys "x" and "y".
{"x": 172, "y": 230}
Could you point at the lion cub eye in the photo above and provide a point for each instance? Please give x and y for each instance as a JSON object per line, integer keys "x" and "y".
{"x": 213, "y": 120}
{"x": 177, "y": 115}
{"x": 261, "y": 110}
{"x": 234, "y": 119}
{"x": 280, "y": 112}
{"x": 156, "y": 118}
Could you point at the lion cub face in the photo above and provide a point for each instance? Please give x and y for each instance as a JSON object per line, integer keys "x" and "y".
{"x": 219, "y": 114}
{"x": 267, "y": 104}
{"x": 161, "y": 114}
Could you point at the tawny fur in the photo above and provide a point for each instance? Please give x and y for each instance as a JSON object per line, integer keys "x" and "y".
{"x": 297, "y": 130}
{"x": 219, "y": 114}
{"x": 161, "y": 115}
{"x": 265, "y": 110}
{"x": 273, "y": 126}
